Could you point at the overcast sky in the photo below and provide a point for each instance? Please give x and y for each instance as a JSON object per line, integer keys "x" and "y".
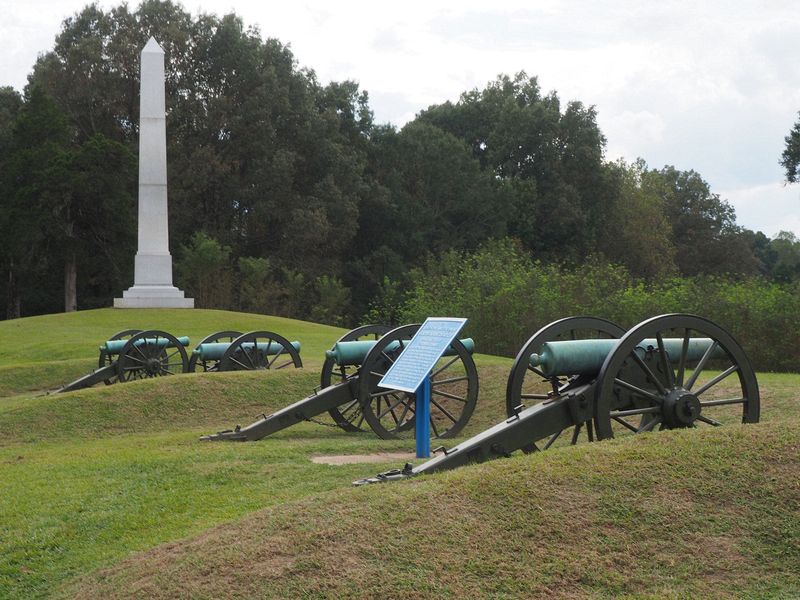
{"x": 712, "y": 86}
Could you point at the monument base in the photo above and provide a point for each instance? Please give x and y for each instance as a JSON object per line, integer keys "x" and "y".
{"x": 153, "y": 296}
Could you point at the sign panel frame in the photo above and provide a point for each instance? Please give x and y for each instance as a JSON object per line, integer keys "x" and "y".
{"x": 423, "y": 351}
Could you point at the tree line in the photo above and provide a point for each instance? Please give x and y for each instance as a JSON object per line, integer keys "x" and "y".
{"x": 286, "y": 197}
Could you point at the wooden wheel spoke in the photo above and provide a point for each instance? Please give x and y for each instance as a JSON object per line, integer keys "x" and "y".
{"x": 444, "y": 410}
{"x": 241, "y": 364}
{"x": 648, "y": 426}
{"x": 406, "y": 408}
{"x": 624, "y": 423}
{"x": 445, "y": 366}
{"x": 448, "y": 395}
{"x": 539, "y": 372}
{"x": 391, "y": 407}
{"x": 722, "y": 402}
{"x": 635, "y": 411}
{"x": 450, "y": 380}
{"x": 647, "y": 371}
{"x": 684, "y": 354}
{"x": 665, "y": 360}
{"x": 433, "y": 426}
{"x": 249, "y": 354}
{"x": 638, "y": 391}
{"x": 348, "y": 407}
{"x": 277, "y": 355}
{"x": 709, "y": 420}
{"x": 701, "y": 365}
{"x": 717, "y": 379}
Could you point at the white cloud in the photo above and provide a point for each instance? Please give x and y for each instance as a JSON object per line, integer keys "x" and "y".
{"x": 630, "y": 133}
{"x": 770, "y": 208}
{"x": 710, "y": 86}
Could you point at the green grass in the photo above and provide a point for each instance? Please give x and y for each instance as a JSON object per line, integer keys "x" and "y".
{"x": 65, "y": 346}
{"x": 681, "y": 514}
{"x": 107, "y": 493}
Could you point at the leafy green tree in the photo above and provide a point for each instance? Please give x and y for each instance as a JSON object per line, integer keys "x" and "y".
{"x": 204, "y": 271}
{"x": 431, "y": 196}
{"x": 332, "y": 301}
{"x": 261, "y": 157}
{"x": 790, "y": 159}
{"x": 97, "y": 220}
{"x": 73, "y": 199}
{"x": 37, "y": 185}
{"x": 704, "y": 231}
{"x": 640, "y": 235}
{"x": 10, "y": 104}
{"x": 254, "y": 284}
{"x": 786, "y": 247}
{"x": 517, "y": 133}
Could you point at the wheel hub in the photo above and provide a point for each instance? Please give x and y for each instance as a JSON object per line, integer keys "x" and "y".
{"x": 153, "y": 367}
{"x": 681, "y": 408}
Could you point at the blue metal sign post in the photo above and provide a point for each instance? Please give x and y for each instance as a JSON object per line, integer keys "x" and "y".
{"x": 411, "y": 371}
{"x": 422, "y": 431}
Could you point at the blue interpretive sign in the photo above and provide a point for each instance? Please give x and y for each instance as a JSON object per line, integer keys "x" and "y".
{"x": 425, "y": 348}
{"x": 411, "y": 372}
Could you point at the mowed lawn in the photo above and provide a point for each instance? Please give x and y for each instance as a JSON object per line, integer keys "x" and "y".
{"x": 108, "y": 492}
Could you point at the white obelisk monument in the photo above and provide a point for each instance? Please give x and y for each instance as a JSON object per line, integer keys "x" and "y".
{"x": 152, "y": 281}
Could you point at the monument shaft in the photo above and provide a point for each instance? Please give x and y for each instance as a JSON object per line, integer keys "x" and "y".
{"x": 152, "y": 285}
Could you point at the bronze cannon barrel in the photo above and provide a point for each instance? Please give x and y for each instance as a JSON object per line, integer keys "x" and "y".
{"x": 354, "y": 353}
{"x": 586, "y": 357}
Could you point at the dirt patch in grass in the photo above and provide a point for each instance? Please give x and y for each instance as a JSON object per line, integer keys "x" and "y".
{"x": 351, "y": 459}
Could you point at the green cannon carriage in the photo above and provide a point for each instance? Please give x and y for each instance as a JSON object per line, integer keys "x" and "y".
{"x": 134, "y": 354}
{"x": 235, "y": 351}
{"x": 350, "y": 393}
{"x": 588, "y": 376}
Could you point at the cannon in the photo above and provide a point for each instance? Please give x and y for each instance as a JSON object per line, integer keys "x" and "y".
{"x": 235, "y": 351}
{"x": 135, "y": 354}
{"x": 583, "y": 374}
{"x": 351, "y": 395}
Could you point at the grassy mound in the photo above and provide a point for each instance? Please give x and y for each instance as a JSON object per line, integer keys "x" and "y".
{"x": 45, "y": 352}
{"x": 674, "y": 514}
{"x": 107, "y": 491}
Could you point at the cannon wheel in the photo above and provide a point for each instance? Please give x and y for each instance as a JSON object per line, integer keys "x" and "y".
{"x": 248, "y": 358}
{"x": 106, "y": 359}
{"x": 348, "y": 416}
{"x": 211, "y": 365}
{"x": 142, "y": 361}
{"x": 646, "y": 385}
{"x": 525, "y": 382}
{"x": 454, "y": 390}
